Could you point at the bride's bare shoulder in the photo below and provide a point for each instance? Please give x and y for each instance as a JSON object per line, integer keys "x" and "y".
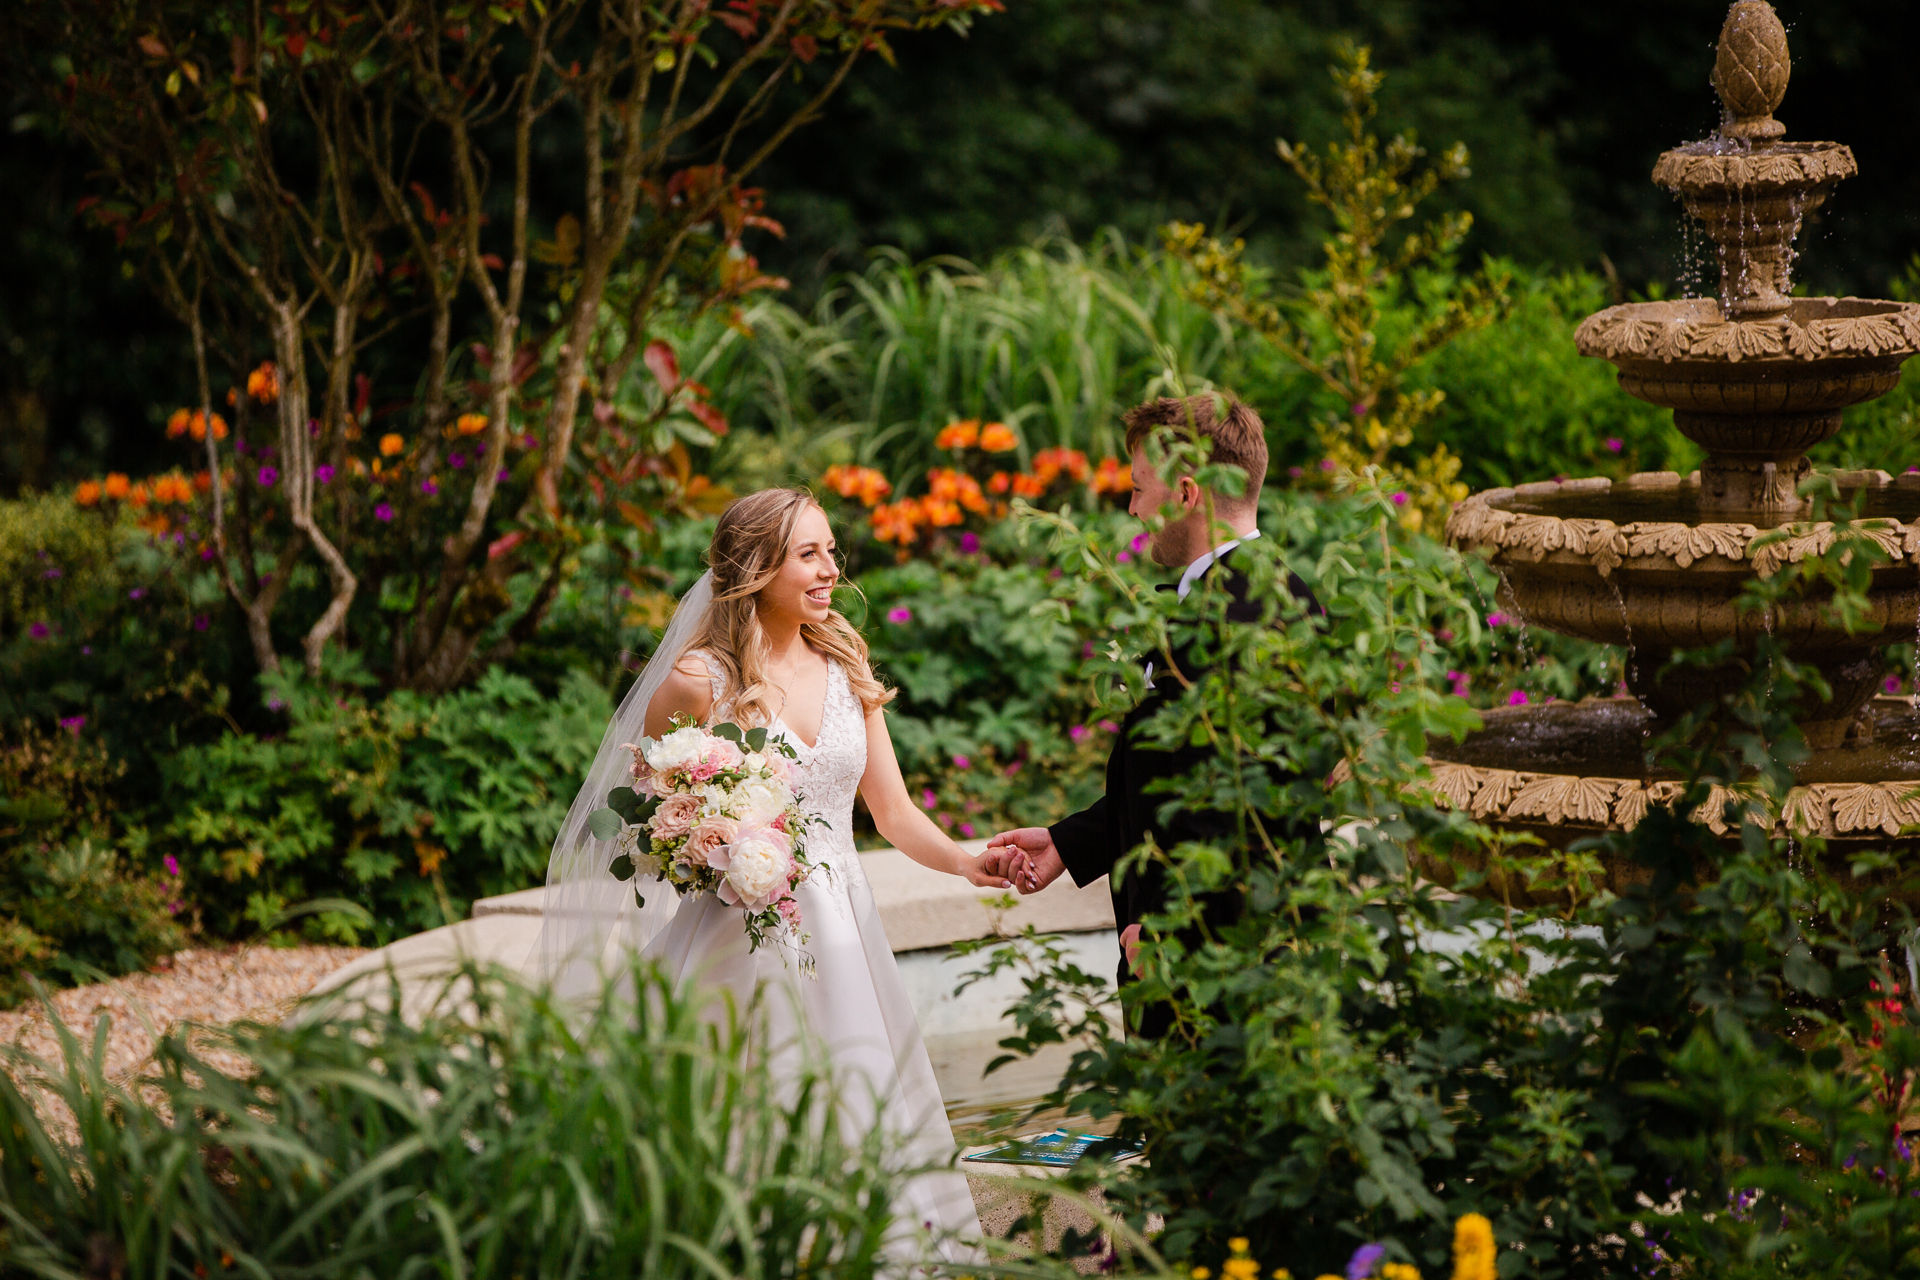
{"x": 687, "y": 691}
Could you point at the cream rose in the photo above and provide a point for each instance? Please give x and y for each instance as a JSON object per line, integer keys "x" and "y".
{"x": 714, "y": 833}
{"x": 675, "y": 750}
{"x": 756, "y": 867}
{"x": 675, "y": 816}
{"x": 761, "y": 800}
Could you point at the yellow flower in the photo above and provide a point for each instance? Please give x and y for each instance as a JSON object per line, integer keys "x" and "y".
{"x": 1281, "y": 1273}
{"x": 1474, "y": 1254}
{"x": 1238, "y": 1244}
{"x": 1241, "y": 1269}
{"x": 1200, "y": 1273}
{"x": 391, "y": 444}
{"x": 1399, "y": 1271}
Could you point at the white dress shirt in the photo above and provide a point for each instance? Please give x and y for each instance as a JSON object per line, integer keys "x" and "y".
{"x": 1198, "y": 569}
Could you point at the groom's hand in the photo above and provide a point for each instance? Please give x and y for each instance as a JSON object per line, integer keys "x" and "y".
{"x": 1026, "y": 856}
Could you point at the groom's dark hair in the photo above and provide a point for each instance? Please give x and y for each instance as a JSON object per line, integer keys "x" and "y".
{"x": 1239, "y": 438}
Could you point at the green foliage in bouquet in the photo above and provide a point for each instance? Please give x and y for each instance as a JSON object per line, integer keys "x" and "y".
{"x": 493, "y": 1133}
{"x": 1722, "y": 1039}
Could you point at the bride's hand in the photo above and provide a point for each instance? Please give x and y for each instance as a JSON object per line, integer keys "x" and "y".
{"x": 977, "y": 872}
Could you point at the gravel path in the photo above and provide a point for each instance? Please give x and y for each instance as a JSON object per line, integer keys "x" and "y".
{"x": 229, "y": 984}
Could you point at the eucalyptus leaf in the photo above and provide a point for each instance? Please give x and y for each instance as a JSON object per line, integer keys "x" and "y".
{"x": 605, "y": 824}
{"x": 621, "y": 867}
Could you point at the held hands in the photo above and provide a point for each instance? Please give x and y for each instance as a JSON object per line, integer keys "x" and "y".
{"x": 982, "y": 872}
{"x": 1026, "y": 856}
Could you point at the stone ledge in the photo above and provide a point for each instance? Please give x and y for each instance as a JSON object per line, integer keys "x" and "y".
{"x": 923, "y": 909}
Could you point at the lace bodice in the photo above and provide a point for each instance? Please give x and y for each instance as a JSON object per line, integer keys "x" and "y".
{"x": 827, "y": 775}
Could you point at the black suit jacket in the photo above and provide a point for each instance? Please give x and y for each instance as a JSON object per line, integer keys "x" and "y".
{"x": 1092, "y": 841}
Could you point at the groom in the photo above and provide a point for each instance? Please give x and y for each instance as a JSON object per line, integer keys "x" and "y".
{"x": 1089, "y": 843}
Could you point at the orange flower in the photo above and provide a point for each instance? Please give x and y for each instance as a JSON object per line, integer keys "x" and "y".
{"x": 958, "y": 435}
{"x": 863, "y": 483}
{"x": 999, "y": 482}
{"x": 116, "y": 486}
{"x": 138, "y": 495}
{"x": 197, "y": 426}
{"x": 163, "y": 488}
{"x": 202, "y": 481}
{"x": 897, "y": 522}
{"x": 1049, "y": 463}
{"x": 1112, "y": 476}
{"x": 940, "y": 512}
{"x": 391, "y": 444}
{"x": 1026, "y": 486}
{"x": 996, "y": 438}
{"x": 948, "y": 486}
{"x": 467, "y": 424}
{"x": 263, "y": 384}
{"x": 87, "y": 493}
{"x": 177, "y": 424}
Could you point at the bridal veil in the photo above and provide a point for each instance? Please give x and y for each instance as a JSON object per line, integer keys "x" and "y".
{"x": 589, "y": 918}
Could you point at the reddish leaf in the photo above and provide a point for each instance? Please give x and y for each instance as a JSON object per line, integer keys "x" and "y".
{"x": 805, "y": 48}
{"x": 86, "y": 203}
{"x": 525, "y": 361}
{"x": 492, "y": 262}
{"x": 745, "y": 28}
{"x": 296, "y": 44}
{"x": 500, "y": 546}
{"x": 426, "y": 200}
{"x": 715, "y": 421}
{"x": 635, "y": 516}
{"x": 152, "y": 47}
{"x": 602, "y": 412}
{"x": 482, "y": 355}
{"x": 663, "y": 364}
{"x": 766, "y": 224}
{"x": 362, "y": 393}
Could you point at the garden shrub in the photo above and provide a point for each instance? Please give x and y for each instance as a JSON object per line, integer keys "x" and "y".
{"x": 410, "y": 806}
{"x": 493, "y": 1133}
{"x": 73, "y": 907}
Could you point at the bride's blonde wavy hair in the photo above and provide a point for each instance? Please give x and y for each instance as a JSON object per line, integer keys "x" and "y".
{"x": 749, "y": 548}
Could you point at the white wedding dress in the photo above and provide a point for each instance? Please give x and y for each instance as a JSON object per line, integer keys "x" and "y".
{"x": 855, "y": 1005}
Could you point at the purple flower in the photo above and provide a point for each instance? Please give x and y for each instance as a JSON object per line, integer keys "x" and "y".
{"x": 200, "y": 622}
{"x": 1615, "y": 444}
{"x": 428, "y": 487}
{"x": 1086, "y": 649}
{"x": 1296, "y": 472}
{"x": 39, "y": 631}
{"x": 480, "y": 449}
{"x": 172, "y": 864}
{"x": 966, "y": 829}
{"x": 1399, "y": 499}
{"x": 1364, "y": 1260}
{"x": 503, "y": 474}
{"x": 239, "y": 446}
{"x": 969, "y": 543}
{"x": 275, "y": 704}
{"x": 206, "y": 553}
{"x": 267, "y": 477}
{"x": 136, "y": 593}
{"x": 1496, "y": 619}
{"x": 73, "y": 724}
{"x": 961, "y": 762}
{"x": 1518, "y": 698}
{"x": 1078, "y": 732}
{"x": 1893, "y": 684}
{"x": 1012, "y": 771}
{"x": 1109, "y": 726}
{"x": 51, "y": 573}
{"x": 899, "y": 614}
{"x": 1326, "y": 464}
{"x": 928, "y": 799}
{"x": 383, "y": 512}
{"x": 456, "y": 460}
{"x": 86, "y": 650}
{"x": 323, "y": 473}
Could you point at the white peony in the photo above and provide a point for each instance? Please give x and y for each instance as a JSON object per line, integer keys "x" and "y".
{"x": 675, "y": 750}
{"x": 757, "y": 865}
{"x": 761, "y": 799}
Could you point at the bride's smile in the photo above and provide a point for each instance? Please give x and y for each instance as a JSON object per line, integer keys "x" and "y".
{"x": 802, "y": 592}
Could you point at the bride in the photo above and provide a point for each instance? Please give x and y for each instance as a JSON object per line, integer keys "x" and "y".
{"x": 757, "y": 641}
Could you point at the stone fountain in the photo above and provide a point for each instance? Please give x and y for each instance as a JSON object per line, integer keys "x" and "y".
{"x": 1755, "y": 377}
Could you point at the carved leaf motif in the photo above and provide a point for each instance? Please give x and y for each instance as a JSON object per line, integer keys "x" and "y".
{"x": 1862, "y": 806}
{"x": 1872, "y": 335}
{"x": 1737, "y": 340}
{"x": 1456, "y": 783}
{"x": 1559, "y": 797}
{"x": 1687, "y": 543}
{"x": 1496, "y": 789}
{"x": 1804, "y": 342}
{"x": 1629, "y": 807}
{"x": 1809, "y": 811}
{"x": 1713, "y": 812}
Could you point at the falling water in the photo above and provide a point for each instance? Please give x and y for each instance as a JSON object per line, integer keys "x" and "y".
{"x": 1629, "y": 669}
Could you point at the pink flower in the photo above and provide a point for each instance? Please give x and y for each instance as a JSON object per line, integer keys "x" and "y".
{"x": 73, "y": 724}
{"x": 969, "y": 543}
{"x": 1109, "y": 726}
{"x": 39, "y": 631}
{"x": 1139, "y": 542}
{"x": 1496, "y": 619}
{"x": 1615, "y": 444}
{"x": 428, "y": 487}
{"x": 1078, "y": 732}
{"x": 456, "y": 460}
{"x": 714, "y": 834}
{"x": 966, "y": 829}
{"x": 899, "y": 614}
{"x": 172, "y": 864}
{"x": 1518, "y": 698}
{"x": 1326, "y": 464}
{"x": 383, "y": 512}
{"x": 1399, "y": 499}
{"x": 675, "y": 816}
{"x": 267, "y": 477}
{"x": 1296, "y": 472}
{"x": 1893, "y": 684}
{"x": 1086, "y": 649}
{"x": 1125, "y": 557}
{"x": 323, "y": 473}
{"x": 928, "y": 799}
{"x": 789, "y": 912}
{"x": 961, "y": 762}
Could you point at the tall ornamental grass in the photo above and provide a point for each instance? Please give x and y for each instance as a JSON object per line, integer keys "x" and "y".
{"x": 497, "y": 1135}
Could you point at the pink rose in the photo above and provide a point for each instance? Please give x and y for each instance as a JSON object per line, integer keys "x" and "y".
{"x": 755, "y": 867}
{"x": 709, "y": 840}
{"x": 675, "y": 816}
{"x": 719, "y": 756}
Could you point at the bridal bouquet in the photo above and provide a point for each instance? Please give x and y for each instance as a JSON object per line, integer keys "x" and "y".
{"x": 710, "y": 811}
